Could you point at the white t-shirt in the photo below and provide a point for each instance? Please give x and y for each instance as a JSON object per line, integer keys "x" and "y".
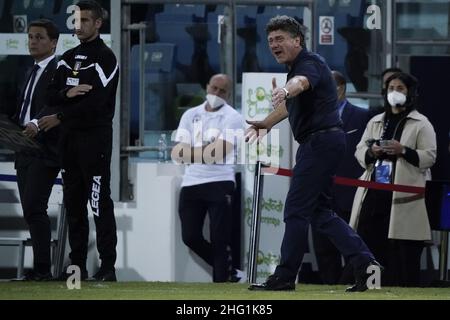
{"x": 199, "y": 127}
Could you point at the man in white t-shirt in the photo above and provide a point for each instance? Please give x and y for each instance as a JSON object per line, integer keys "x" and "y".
{"x": 207, "y": 139}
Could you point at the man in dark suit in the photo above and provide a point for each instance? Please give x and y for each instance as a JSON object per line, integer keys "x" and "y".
{"x": 36, "y": 174}
{"x": 355, "y": 119}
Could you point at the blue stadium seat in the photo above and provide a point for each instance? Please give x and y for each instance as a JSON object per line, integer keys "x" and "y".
{"x": 60, "y": 15}
{"x": 159, "y": 68}
{"x": 2, "y": 6}
{"x": 245, "y": 20}
{"x": 36, "y": 9}
{"x": 171, "y": 27}
{"x": 357, "y": 8}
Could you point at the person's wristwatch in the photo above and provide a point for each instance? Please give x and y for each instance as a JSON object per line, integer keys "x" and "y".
{"x": 60, "y": 116}
{"x": 287, "y": 96}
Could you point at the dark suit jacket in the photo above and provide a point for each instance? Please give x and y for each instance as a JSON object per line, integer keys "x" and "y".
{"x": 355, "y": 120}
{"x": 39, "y": 108}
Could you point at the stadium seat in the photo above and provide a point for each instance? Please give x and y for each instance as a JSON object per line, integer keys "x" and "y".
{"x": 57, "y": 245}
{"x": 171, "y": 27}
{"x": 60, "y": 14}
{"x": 2, "y": 6}
{"x": 36, "y": 9}
{"x": 245, "y": 18}
{"x": 159, "y": 82}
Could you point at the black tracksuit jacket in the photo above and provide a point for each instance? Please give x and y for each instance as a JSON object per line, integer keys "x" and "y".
{"x": 86, "y": 145}
{"x": 91, "y": 63}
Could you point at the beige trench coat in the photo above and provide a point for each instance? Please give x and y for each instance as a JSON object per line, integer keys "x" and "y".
{"x": 409, "y": 219}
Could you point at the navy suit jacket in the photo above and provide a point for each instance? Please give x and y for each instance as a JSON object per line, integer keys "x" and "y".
{"x": 39, "y": 108}
{"x": 355, "y": 120}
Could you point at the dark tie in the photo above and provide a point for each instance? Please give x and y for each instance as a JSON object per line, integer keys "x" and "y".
{"x": 26, "y": 102}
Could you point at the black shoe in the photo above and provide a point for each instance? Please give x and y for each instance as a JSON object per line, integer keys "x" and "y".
{"x": 104, "y": 275}
{"x": 64, "y": 275}
{"x": 274, "y": 283}
{"x": 36, "y": 276}
{"x": 361, "y": 277}
{"x": 236, "y": 276}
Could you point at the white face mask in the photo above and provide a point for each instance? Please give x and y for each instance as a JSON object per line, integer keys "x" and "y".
{"x": 215, "y": 101}
{"x": 396, "y": 99}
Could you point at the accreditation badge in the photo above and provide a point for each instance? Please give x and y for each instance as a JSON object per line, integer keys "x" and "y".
{"x": 383, "y": 171}
{"x": 73, "y": 82}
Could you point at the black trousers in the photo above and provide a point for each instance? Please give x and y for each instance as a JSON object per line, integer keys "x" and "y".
{"x": 329, "y": 259}
{"x": 309, "y": 203}
{"x": 400, "y": 258}
{"x": 35, "y": 181}
{"x": 216, "y": 200}
{"x": 86, "y": 160}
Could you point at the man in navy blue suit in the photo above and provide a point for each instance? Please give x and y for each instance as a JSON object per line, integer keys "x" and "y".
{"x": 355, "y": 119}
{"x": 309, "y": 100}
{"x": 36, "y": 174}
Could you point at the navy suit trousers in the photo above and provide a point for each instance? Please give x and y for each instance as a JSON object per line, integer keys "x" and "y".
{"x": 309, "y": 202}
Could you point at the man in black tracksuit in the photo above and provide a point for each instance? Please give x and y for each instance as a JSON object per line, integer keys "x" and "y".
{"x": 84, "y": 91}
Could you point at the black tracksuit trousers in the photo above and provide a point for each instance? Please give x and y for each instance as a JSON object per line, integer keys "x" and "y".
{"x": 86, "y": 160}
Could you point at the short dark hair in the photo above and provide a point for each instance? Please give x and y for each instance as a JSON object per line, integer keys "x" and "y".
{"x": 287, "y": 24}
{"x": 48, "y": 25}
{"x": 339, "y": 78}
{"x": 391, "y": 70}
{"x": 93, "y": 6}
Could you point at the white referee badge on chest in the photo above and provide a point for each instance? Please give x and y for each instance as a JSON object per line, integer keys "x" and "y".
{"x": 72, "y": 82}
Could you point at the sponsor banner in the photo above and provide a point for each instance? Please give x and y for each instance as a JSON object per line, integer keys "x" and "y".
{"x": 17, "y": 43}
{"x": 256, "y": 105}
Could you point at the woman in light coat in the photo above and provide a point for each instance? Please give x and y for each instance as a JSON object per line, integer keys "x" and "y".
{"x": 398, "y": 146}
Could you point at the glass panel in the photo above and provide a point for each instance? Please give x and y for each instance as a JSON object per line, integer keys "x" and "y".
{"x": 253, "y": 54}
{"x": 252, "y": 50}
{"x": 185, "y": 46}
{"x": 365, "y": 103}
{"x": 358, "y": 52}
{"x": 423, "y": 49}
{"x": 423, "y": 20}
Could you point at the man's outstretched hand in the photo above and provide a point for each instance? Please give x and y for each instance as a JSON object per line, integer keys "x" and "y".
{"x": 256, "y": 131}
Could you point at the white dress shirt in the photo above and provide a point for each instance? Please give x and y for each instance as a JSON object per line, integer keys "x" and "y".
{"x": 42, "y": 65}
